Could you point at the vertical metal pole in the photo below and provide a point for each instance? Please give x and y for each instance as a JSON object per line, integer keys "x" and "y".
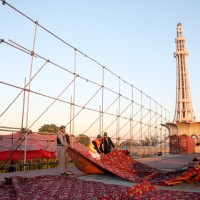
{"x": 131, "y": 118}
{"x": 132, "y": 104}
{"x": 161, "y": 136}
{"x": 141, "y": 138}
{"x": 74, "y": 94}
{"x": 22, "y": 123}
{"x": 165, "y": 131}
{"x": 119, "y": 113}
{"x": 149, "y": 132}
{"x": 102, "y": 102}
{"x": 100, "y": 127}
{"x": 156, "y": 135}
{"x": 29, "y": 86}
{"x": 70, "y": 124}
{"x": 131, "y": 136}
{"x": 117, "y": 129}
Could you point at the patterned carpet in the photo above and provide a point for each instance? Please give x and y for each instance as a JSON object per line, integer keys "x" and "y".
{"x": 71, "y": 188}
{"x": 50, "y": 187}
{"x": 128, "y": 168}
{"x": 116, "y": 162}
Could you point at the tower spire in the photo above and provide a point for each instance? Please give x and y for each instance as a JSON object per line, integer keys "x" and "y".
{"x": 183, "y": 111}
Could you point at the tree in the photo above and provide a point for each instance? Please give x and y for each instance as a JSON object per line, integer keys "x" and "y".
{"x": 83, "y": 139}
{"x": 147, "y": 141}
{"x": 48, "y": 128}
{"x": 128, "y": 143}
{"x": 154, "y": 140}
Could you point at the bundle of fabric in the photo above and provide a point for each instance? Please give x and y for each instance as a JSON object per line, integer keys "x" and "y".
{"x": 58, "y": 187}
{"x": 190, "y": 175}
{"x": 83, "y": 163}
{"x": 126, "y": 167}
{"x": 115, "y": 162}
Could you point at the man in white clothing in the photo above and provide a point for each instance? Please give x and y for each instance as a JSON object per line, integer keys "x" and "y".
{"x": 63, "y": 142}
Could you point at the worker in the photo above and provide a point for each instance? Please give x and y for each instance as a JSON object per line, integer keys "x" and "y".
{"x": 63, "y": 143}
{"x": 96, "y": 147}
{"x": 107, "y": 143}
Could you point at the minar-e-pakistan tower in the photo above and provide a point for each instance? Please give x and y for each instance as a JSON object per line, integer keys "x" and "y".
{"x": 184, "y": 131}
{"x": 184, "y": 110}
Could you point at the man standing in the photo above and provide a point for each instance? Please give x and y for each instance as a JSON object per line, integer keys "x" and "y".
{"x": 107, "y": 143}
{"x": 63, "y": 143}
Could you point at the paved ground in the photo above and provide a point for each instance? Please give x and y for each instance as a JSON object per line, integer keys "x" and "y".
{"x": 169, "y": 162}
{"x": 166, "y": 162}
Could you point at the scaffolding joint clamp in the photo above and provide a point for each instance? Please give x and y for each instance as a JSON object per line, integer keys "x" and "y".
{"x": 28, "y": 90}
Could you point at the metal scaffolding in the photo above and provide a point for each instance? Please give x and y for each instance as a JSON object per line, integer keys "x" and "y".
{"x": 87, "y": 105}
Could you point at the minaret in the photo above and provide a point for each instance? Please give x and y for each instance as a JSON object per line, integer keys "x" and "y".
{"x": 184, "y": 111}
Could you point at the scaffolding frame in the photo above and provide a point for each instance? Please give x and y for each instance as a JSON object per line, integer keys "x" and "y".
{"x": 119, "y": 108}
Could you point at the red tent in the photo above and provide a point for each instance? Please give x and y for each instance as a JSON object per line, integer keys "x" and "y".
{"x": 13, "y": 146}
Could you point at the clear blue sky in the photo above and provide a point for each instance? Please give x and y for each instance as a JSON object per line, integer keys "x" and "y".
{"x": 134, "y": 39}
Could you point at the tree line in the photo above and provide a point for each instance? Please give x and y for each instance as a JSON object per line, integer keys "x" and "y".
{"x": 48, "y": 129}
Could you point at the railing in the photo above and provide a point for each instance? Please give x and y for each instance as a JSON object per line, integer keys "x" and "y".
{"x": 34, "y": 164}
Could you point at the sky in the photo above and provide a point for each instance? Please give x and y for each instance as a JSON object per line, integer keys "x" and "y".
{"x": 133, "y": 39}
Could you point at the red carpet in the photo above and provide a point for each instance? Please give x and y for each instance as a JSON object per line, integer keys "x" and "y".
{"x": 57, "y": 187}
{"x": 127, "y": 168}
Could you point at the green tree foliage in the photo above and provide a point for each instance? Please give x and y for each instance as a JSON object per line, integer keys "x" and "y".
{"x": 128, "y": 143}
{"x": 83, "y": 139}
{"x": 48, "y": 129}
{"x": 154, "y": 140}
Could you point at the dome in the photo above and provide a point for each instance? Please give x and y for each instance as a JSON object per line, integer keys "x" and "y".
{"x": 179, "y": 24}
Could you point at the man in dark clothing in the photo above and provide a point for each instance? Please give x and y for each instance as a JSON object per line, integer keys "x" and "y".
{"x": 107, "y": 143}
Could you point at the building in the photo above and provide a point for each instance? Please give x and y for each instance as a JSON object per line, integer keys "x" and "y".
{"x": 184, "y": 131}
{"x": 184, "y": 110}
